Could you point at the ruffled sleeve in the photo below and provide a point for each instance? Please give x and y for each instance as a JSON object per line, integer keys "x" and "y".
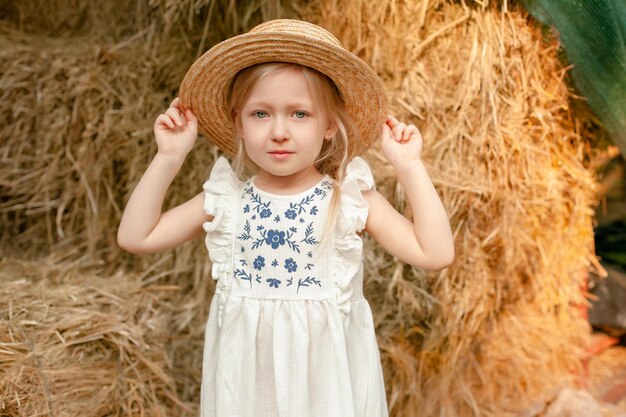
{"x": 219, "y": 201}
{"x": 348, "y": 246}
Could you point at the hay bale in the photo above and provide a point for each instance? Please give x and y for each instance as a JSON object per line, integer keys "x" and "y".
{"x": 499, "y": 328}
{"x": 74, "y": 343}
{"x": 76, "y": 113}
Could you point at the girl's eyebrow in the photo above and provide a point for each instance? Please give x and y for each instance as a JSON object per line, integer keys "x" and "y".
{"x": 291, "y": 105}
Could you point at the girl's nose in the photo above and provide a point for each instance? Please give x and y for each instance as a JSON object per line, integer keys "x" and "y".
{"x": 279, "y": 130}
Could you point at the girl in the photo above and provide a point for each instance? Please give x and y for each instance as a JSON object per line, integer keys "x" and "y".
{"x": 289, "y": 333}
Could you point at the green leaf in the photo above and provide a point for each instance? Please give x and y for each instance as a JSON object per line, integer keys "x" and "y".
{"x": 592, "y": 33}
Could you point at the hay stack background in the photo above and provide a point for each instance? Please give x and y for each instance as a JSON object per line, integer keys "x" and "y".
{"x": 82, "y": 84}
{"x": 73, "y": 344}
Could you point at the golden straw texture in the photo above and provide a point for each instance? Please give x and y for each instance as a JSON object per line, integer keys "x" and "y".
{"x": 77, "y": 344}
{"x": 500, "y": 328}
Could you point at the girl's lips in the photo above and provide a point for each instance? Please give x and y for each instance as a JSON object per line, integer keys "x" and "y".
{"x": 280, "y": 154}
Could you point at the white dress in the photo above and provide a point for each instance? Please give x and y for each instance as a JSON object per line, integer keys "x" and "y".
{"x": 289, "y": 333}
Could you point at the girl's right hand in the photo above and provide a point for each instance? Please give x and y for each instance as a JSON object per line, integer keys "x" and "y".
{"x": 176, "y": 131}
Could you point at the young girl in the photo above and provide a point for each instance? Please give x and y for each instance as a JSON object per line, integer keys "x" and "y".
{"x": 289, "y": 333}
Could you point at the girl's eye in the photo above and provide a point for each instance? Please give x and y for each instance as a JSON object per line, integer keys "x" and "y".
{"x": 260, "y": 114}
{"x": 300, "y": 114}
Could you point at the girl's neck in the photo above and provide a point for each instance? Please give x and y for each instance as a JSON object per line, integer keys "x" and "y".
{"x": 287, "y": 184}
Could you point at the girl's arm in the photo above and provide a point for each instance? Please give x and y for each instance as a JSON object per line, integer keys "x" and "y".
{"x": 427, "y": 242}
{"x": 143, "y": 228}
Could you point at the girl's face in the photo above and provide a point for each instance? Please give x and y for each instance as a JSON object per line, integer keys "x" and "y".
{"x": 283, "y": 127}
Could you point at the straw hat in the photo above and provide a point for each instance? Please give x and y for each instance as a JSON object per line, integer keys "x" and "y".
{"x": 205, "y": 86}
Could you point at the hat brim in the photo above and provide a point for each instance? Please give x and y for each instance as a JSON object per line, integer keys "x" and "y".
{"x": 204, "y": 87}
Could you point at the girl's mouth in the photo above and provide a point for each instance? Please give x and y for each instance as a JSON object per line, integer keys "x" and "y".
{"x": 280, "y": 154}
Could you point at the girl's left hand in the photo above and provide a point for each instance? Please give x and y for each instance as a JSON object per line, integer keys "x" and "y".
{"x": 401, "y": 143}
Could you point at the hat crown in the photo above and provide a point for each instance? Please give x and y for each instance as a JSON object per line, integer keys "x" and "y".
{"x": 296, "y": 27}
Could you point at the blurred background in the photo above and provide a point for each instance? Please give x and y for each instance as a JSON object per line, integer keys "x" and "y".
{"x": 522, "y": 106}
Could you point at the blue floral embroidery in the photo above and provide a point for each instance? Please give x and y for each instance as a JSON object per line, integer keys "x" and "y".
{"x": 291, "y": 212}
{"x": 275, "y": 238}
{"x": 274, "y": 282}
{"x": 241, "y": 274}
{"x": 308, "y": 235}
{"x": 246, "y": 234}
{"x": 258, "y": 208}
{"x": 259, "y": 262}
{"x": 322, "y": 191}
{"x": 307, "y": 281}
{"x": 291, "y": 265}
{"x": 261, "y": 207}
{"x": 293, "y": 245}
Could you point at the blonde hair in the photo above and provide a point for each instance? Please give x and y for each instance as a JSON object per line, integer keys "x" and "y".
{"x": 335, "y": 154}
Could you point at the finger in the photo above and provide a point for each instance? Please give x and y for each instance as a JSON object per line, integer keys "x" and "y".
{"x": 175, "y": 103}
{"x": 398, "y": 129}
{"x": 164, "y": 120}
{"x": 391, "y": 121}
{"x": 416, "y": 134}
{"x": 190, "y": 116}
{"x": 386, "y": 135}
{"x": 175, "y": 115}
{"x": 410, "y": 129}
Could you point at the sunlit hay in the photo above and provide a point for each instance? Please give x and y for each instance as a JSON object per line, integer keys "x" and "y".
{"x": 77, "y": 344}
{"x": 605, "y": 369}
{"x": 506, "y": 155}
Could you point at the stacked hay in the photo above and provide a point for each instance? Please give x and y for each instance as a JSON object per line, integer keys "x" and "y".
{"x": 81, "y": 86}
{"x": 500, "y": 327}
{"x": 76, "y": 344}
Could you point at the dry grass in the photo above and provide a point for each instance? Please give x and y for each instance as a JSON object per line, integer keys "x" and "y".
{"x": 499, "y": 328}
{"x": 75, "y": 344}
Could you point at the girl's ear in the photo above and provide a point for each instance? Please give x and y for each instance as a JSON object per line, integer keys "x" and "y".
{"x": 331, "y": 129}
{"x": 237, "y": 123}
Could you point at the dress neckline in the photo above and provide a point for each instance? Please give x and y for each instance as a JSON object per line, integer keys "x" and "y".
{"x": 260, "y": 191}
